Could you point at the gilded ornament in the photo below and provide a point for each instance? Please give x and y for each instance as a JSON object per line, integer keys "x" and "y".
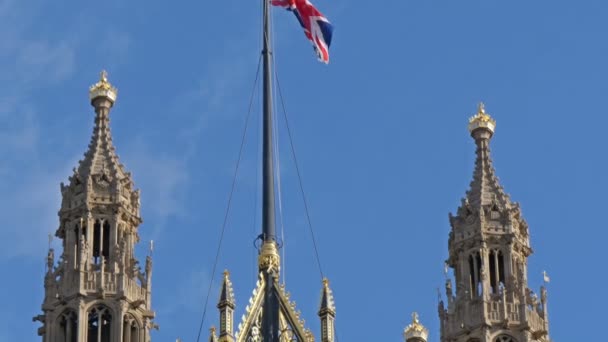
{"x": 482, "y": 120}
{"x": 103, "y": 88}
{"x": 269, "y": 257}
{"x": 415, "y": 329}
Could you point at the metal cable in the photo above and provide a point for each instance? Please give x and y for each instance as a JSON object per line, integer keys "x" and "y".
{"x": 238, "y": 162}
{"x": 295, "y": 159}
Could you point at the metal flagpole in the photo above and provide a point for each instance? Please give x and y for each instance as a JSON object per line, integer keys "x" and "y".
{"x": 270, "y": 313}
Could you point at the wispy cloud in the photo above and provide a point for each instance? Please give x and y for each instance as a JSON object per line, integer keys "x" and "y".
{"x": 30, "y": 174}
{"x": 162, "y": 178}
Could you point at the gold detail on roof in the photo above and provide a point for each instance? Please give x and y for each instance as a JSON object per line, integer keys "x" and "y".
{"x": 269, "y": 258}
{"x": 415, "y": 329}
{"x": 482, "y": 120}
{"x": 103, "y": 88}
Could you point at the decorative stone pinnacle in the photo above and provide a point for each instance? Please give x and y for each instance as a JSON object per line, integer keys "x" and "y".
{"x": 415, "y": 329}
{"x": 327, "y": 299}
{"x": 482, "y": 120}
{"x": 226, "y": 293}
{"x": 103, "y": 88}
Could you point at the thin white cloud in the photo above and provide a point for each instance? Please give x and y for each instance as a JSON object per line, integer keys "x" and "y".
{"x": 162, "y": 179}
{"x": 30, "y": 174}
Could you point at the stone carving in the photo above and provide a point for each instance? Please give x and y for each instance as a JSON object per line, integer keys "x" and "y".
{"x": 98, "y": 188}
{"x": 255, "y": 334}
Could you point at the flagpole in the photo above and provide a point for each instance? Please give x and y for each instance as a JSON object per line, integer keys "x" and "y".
{"x": 268, "y": 218}
{"x": 270, "y": 313}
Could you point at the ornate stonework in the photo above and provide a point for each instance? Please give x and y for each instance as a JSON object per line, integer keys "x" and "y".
{"x": 489, "y": 245}
{"x": 97, "y": 291}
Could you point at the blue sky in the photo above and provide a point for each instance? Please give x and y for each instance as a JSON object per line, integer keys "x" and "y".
{"x": 380, "y": 135}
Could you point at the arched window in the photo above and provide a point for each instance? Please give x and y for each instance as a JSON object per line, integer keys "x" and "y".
{"x": 504, "y": 338}
{"x": 105, "y": 249}
{"x": 101, "y": 241}
{"x": 130, "y": 329}
{"x": 96, "y": 241}
{"x": 99, "y": 326}
{"x": 475, "y": 273}
{"x": 497, "y": 270}
{"x": 68, "y": 327}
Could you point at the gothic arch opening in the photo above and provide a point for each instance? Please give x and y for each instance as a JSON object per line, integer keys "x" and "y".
{"x": 99, "y": 327}
{"x": 505, "y": 338}
{"x": 101, "y": 241}
{"x": 68, "y": 327}
{"x": 105, "y": 248}
{"x": 475, "y": 265}
{"x": 497, "y": 271}
{"x": 130, "y": 329}
{"x": 96, "y": 241}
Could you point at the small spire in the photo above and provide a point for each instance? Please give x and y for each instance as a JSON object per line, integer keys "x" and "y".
{"x": 482, "y": 120}
{"x": 226, "y": 292}
{"x": 327, "y": 299}
{"x": 212, "y": 335}
{"x": 103, "y": 88}
{"x": 484, "y": 189}
{"x": 415, "y": 331}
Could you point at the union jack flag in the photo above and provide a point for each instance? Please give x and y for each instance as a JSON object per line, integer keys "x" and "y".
{"x": 316, "y": 27}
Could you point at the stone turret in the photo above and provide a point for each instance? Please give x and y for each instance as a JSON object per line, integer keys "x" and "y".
{"x": 489, "y": 245}
{"x": 97, "y": 291}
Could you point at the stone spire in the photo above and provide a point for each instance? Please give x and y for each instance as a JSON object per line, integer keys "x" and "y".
{"x": 212, "y": 335}
{"x": 98, "y": 291}
{"x": 327, "y": 313}
{"x": 485, "y": 188}
{"x": 415, "y": 332}
{"x": 100, "y": 158}
{"x": 226, "y": 305}
{"x": 488, "y": 250}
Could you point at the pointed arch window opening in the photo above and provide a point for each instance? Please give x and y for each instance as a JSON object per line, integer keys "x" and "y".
{"x": 131, "y": 329}
{"x": 497, "y": 271}
{"x": 475, "y": 269}
{"x": 101, "y": 241}
{"x": 99, "y": 327}
{"x": 505, "y": 338}
{"x": 68, "y": 327}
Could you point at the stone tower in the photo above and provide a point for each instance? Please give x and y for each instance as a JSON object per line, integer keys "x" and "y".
{"x": 97, "y": 291}
{"x": 489, "y": 246}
